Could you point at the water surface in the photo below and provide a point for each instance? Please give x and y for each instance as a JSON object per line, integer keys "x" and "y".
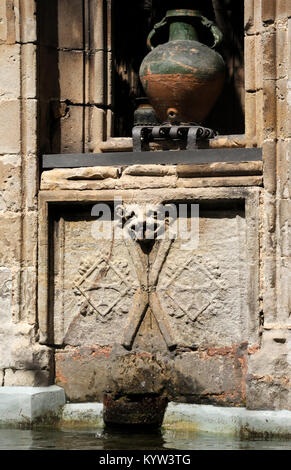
{"x": 102, "y": 439}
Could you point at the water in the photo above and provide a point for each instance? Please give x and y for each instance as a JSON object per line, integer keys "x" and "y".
{"x": 89, "y": 439}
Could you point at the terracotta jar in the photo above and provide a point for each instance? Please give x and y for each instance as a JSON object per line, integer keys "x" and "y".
{"x": 183, "y": 77}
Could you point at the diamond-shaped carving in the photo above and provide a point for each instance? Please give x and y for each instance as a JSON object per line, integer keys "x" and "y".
{"x": 190, "y": 288}
{"x": 106, "y": 288}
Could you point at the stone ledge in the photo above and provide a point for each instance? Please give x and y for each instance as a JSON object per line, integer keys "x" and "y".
{"x": 27, "y": 405}
{"x": 200, "y": 418}
{"x": 222, "y": 420}
{"x": 78, "y": 414}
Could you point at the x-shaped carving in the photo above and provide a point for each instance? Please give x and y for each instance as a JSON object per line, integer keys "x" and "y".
{"x": 146, "y": 296}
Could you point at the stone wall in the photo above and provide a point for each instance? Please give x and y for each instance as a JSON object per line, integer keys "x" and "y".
{"x": 22, "y": 360}
{"x": 56, "y": 96}
{"x": 268, "y": 29}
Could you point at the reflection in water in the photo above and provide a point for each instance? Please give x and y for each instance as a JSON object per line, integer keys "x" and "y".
{"x": 105, "y": 439}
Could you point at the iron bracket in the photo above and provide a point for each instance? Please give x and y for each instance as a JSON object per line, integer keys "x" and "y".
{"x": 191, "y": 134}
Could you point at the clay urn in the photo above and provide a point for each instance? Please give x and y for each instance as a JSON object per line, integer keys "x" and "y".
{"x": 183, "y": 78}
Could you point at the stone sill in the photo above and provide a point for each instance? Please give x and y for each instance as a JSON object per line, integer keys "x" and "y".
{"x": 199, "y": 418}
{"x": 217, "y": 174}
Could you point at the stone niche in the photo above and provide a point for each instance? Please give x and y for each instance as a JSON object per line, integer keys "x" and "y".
{"x": 193, "y": 309}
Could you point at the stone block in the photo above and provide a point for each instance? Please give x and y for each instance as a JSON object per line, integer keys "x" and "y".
{"x": 250, "y": 122}
{"x": 70, "y": 24}
{"x": 10, "y": 127}
{"x": 258, "y": 61}
{"x": 269, "y": 40}
{"x": 30, "y": 404}
{"x": 10, "y": 240}
{"x": 97, "y": 80}
{"x": 9, "y": 71}
{"x": 9, "y": 30}
{"x": 27, "y": 356}
{"x": 71, "y": 127}
{"x": 3, "y": 23}
{"x": 281, "y": 8}
{"x": 270, "y": 110}
{"x": 269, "y": 373}
{"x": 269, "y": 10}
{"x": 90, "y": 413}
{"x": 109, "y": 123}
{"x": 71, "y": 70}
{"x": 29, "y": 295}
{"x": 28, "y": 22}
{"x": 26, "y": 378}
{"x": 259, "y": 117}
{"x": 97, "y": 118}
{"x": 5, "y": 295}
{"x": 249, "y": 20}
{"x": 97, "y": 21}
{"x": 284, "y": 169}
{"x": 282, "y": 109}
{"x": 224, "y": 420}
{"x": 29, "y": 71}
{"x": 29, "y": 120}
{"x": 250, "y": 63}
{"x": 258, "y": 25}
{"x": 283, "y": 291}
{"x": 284, "y": 210}
{"x": 83, "y": 373}
{"x": 269, "y": 289}
{"x": 281, "y": 53}
{"x": 269, "y": 160}
{"x": 10, "y": 182}
{"x": 195, "y": 376}
{"x": 31, "y": 178}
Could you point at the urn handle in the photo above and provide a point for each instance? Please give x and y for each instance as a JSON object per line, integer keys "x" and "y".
{"x": 159, "y": 25}
{"x": 215, "y": 31}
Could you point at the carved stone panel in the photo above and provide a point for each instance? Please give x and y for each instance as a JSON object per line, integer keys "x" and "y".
{"x": 94, "y": 280}
{"x": 203, "y": 291}
{"x": 103, "y": 288}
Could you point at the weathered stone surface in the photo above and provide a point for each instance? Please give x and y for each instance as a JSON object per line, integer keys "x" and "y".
{"x": 70, "y": 25}
{"x": 82, "y": 372}
{"x": 79, "y": 174}
{"x": 219, "y": 181}
{"x": 10, "y": 71}
{"x": 30, "y": 404}
{"x": 71, "y": 76}
{"x": 10, "y": 127}
{"x": 10, "y": 240}
{"x": 97, "y": 91}
{"x": 250, "y": 65}
{"x": 268, "y": 378}
{"x": 150, "y": 170}
{"x": 269, "y": 10}
{"x": 3, "y": 24}
{"x": 195, "y": 376}
{"x": 200, "y": 289}
{"x": 71, "y": 131}
{"x": 5, "y": 294}
{"x": 10, "y": 183}
{"x": 97, "y": 119}
{"x": 29, "y": 71}
{"x": 26, "y": 378}
{"x": 28, "y": 31}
